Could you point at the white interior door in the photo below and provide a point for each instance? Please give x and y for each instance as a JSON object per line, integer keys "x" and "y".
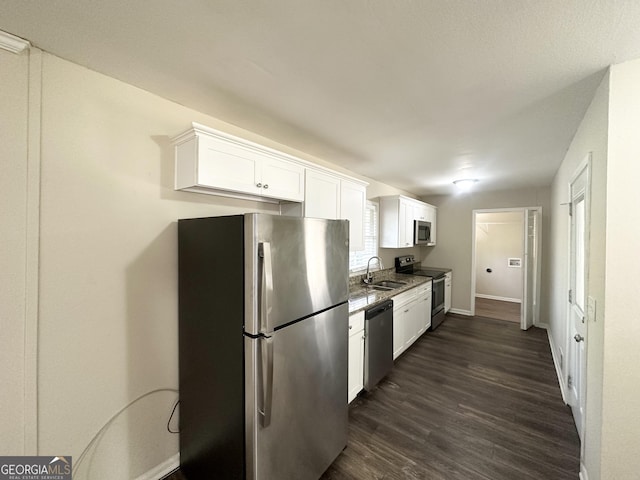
{"x": 530, "y": 311}
{"x": 578, "y": 273}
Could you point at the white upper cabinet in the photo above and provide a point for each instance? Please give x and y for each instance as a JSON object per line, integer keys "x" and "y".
{"x": 282, "y": 179}
{"x": 353, "y": 200}
{"x": 216, "y": 163}
{"x": 430, "y": 213}
{"x": 421, "y": 212}
{"x": 397, "y": 215}
{"x": 329, "y": 195}
{"x": 396, "y": 222}
{"x": 322, "y": 195}
{"x": 213, "y": 162}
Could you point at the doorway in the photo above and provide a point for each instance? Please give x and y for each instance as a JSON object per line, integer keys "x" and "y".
{"x": 506, "y": 264}
{"x": 579, "y": 208}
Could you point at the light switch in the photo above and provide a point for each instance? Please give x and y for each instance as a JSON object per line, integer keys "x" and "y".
{"x": 591, "y": 308}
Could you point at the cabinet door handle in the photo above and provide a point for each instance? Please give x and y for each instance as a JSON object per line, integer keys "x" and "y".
{"x": 350, "y": 327}
{"x": 406, "y": 310}
{"x": 259, "y": 185}
{"x": 266, "y": 186}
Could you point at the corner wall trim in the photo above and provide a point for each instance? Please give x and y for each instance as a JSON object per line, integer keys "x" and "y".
{"x": 460, "y": 312}
{"x": 32, "y": 264}
{"x": 556, "y": 364}
{"x": 163, "y": 469}
{"x": 583, "y": 472}
{"x": 12, "y": 43}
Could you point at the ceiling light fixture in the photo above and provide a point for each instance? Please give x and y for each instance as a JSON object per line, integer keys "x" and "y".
{"x": 465, "y": 184}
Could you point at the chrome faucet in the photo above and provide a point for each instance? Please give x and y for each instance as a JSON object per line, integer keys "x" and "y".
{"x": 369, "y": 277}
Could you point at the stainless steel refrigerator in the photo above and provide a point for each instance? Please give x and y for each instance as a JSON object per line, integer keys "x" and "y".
{"x": 263, "y": 339}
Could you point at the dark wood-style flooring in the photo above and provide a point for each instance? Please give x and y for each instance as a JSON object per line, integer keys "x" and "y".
{"x": 476, "y": 399}
{"x": 498, "y": 309}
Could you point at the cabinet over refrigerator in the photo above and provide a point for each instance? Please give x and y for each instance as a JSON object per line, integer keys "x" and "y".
{"x": 263, "y": 338}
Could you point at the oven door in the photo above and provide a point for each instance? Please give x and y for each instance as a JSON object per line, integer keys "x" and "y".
{"x": 421, "y": 232}
{"x": 437, "y": 302}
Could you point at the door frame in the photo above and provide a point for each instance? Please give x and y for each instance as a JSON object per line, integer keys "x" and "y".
{"x": 524, "y": 210}
{"x": 583, "y": 166}
{"x": 538, "y": 268}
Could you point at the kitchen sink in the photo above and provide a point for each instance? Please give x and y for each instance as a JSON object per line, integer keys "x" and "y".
{"x": 379, "y": 288}
{"x": 389, "y": 284}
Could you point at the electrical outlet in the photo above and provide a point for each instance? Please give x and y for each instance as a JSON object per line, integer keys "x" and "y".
{"x": 591, "y": 309}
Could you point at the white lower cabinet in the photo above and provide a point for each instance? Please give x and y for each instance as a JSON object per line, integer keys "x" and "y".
{"x": 447, "y": 291}
{"x": 404, "y": 321}
{"x": 356, "y": 354}
{"x": 423, "y": 308}
{"x": 411, "y": 317}
{"x": 399, "y": 320}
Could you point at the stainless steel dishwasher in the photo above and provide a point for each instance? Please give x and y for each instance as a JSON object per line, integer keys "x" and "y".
{"x": 378, "y": 344}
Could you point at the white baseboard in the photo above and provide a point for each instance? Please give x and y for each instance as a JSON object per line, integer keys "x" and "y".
{"x": 556, "y": 363}
{"x": 460, "y": 312}
{"x": 163, "y": 469}
{"x": 542, "y": 325}
{"x": 502, "y": 299}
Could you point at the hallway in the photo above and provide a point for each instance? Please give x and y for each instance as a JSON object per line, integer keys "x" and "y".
{"x": 476, "y": 399}
{"x": 498, "y": 309}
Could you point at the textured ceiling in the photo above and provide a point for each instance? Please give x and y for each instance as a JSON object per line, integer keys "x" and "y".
{"x": 412, "y": 93}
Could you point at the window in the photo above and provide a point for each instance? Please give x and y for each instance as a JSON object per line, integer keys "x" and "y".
{"x": 358, "y": 260}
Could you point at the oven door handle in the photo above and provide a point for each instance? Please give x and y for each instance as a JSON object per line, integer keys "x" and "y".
{"x": 440, "y": 280}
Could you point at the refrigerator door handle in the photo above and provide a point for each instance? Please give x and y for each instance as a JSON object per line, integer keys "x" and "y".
{"x": 266, "y": 291}
{"x": 266, "y": 353}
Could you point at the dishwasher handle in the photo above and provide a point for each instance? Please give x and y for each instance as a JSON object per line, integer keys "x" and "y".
{"x": 377, "y": 310}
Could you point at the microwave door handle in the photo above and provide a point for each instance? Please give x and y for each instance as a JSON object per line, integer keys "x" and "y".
{"x": 266, "y": 290}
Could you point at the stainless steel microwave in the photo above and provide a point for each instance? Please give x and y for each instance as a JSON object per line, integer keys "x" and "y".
{"x": 421, "y": 232}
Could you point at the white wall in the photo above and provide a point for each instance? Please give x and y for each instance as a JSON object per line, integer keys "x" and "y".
{"x": 621, "y": 372}
{"x": 498, "y": 238}
{"x": 108, "y": 266}
{"x": 13, "y": 228}
{"x": 591, "y": 136}
{"x": 454, "y": 235}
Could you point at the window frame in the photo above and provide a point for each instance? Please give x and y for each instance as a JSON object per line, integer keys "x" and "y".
{"x": 358, "y": 259}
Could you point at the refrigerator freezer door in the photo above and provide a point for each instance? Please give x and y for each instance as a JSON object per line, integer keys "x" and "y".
{"x": 308, "y": 408}
{"x": 294, "y": 267}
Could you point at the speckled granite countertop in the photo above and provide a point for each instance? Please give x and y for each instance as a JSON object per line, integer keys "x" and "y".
{"x": 362, "y": 297}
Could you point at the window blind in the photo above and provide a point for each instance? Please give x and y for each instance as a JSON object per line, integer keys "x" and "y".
{"x": 358, "y": 260}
